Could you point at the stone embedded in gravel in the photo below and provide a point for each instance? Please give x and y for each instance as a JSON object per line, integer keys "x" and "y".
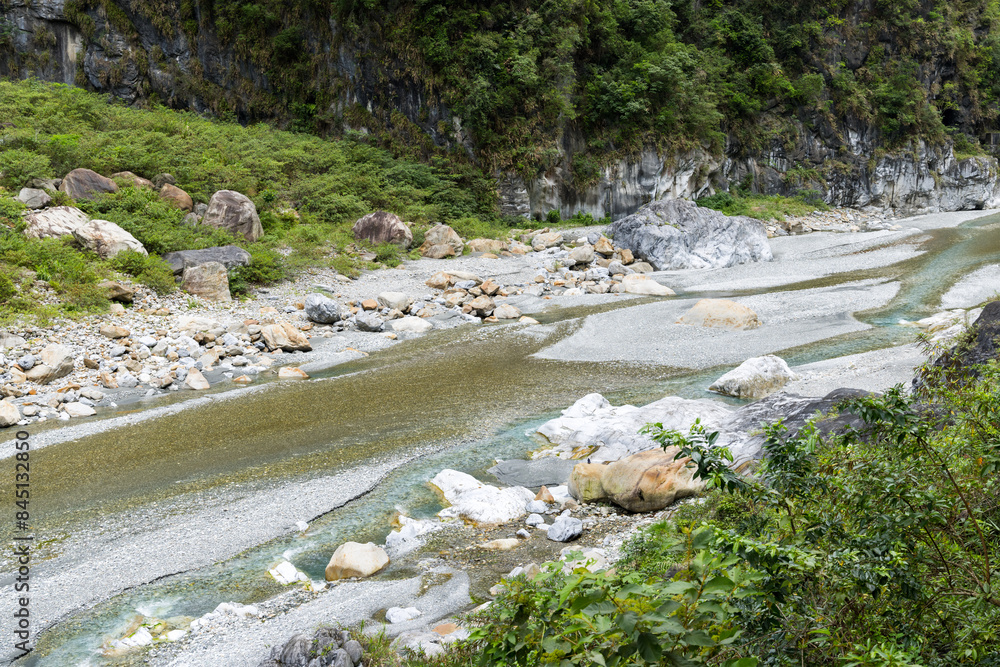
{"x": 464, "y": 275}
{"x": 411, "y": 324}
{"x": 604, "y": 246}
{"x": 401, "y": 615}
{"x": 368, "y": 322}
{"x": 582, "y": 255}
{"x": 34, "y": 198}
{"x": 546, "y": 240}
{"x": 505, "y": 311}
{"x": 439, "y": 280}
{"x": 209, "y": 281}
{"x": 106, "y": 239}
{"x": 639, "y": 284}
{"x": 292, "y": 373}
{"x": 86, "y": 184}
{"x": 481, "y": 306}
{"x": 352, "y": 559}
{"x": 78, "y": 409}
{"x": 536, "y": 506}
{"x": 720, "y": 314}
{"x": 755, "y": 378}
{"x": 322, "y": 309}
{"x": 501, "y": 544}
{"x": 534, "y": 520}
{"x": 113, "y": 331}
{"x": 486, "y": 245}
{"x": 195, "y": 380}
{"x": 8, "y": 339}
{"x": 524, "y": 319}
{"x": 57, "y": 362}
{"x": 9, "y": 414}
{"x": 118, "y": 292}
{"x": 394, "y": 301}
{"x": 235, "y": 213}
{"x": 565, "y": 528}
{"x": 54, "y": 222}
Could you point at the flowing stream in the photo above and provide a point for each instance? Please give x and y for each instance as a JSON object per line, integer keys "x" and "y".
{"x": 459, "y": 398}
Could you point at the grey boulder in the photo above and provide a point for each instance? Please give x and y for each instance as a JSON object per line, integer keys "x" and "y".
{"x": 34, "y": 198}
{"x": 230, "y": 256}
{"x": 322, "y": 309}
{"x": 565, "y": 528}
{"x": 369, "y": 322}
{"x": 235, "y": 213}
{"x": 679, "y": 234}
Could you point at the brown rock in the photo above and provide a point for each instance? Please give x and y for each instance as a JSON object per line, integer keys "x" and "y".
{"x": 195, "y": 380}
{"x": 108, "y": 380}
{"x": 489, "y": 287}
{"x": 439, "y": 280}
{"x": 118, "y": 292}
{"x": 285, "y": 337}
{"x": 545, "y": 495}
{"x": 720, "y": 314}
{"x": 446, "y": 629}
{"x": 86, "y": 184}
{"x": 627, "y": 257}
{"x": 369, "y": 304}
{"x": 177, "y": 197}
{"x": 209, "y": 281}
{"x": 441, "y": 235}
{"x": 604, "y": 246}
{"x": 437, "y": 251}
{"x": 292, "y": 373}
{"x": 649, "y": 481}
{"x": 585, "y": 482}
{"x": 382, "y": 227}
{"x": 483, "y": 305}
{"x": 486, "y": 245}
{"x": 113, "y": 331}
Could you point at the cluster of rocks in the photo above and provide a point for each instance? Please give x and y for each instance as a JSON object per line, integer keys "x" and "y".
{"x": 326, "y": 647}
{"x": 837, "y": 220}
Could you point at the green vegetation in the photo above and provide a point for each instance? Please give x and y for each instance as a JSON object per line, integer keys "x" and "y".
{"x": 878, "y": 547}
{"x": 763, "y": 207}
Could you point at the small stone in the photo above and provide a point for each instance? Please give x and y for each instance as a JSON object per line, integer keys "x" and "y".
{"x": 195, "y": 380}
{"x": 113, "y": 332}
{"x": 565, "y": 528}
{"x": 292, "y": 373}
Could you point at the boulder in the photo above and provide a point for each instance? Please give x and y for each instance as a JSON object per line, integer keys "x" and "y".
{"x": 113, "y": 331}
{"x": 755, "y": 378}
{"x": 54, "y": 222}
{"x": 494, "y": 246}
{"x": 176, "y": 197}
{"x": 86, "y": 184}
{"x": 234, "y": 213}
{"x": 505, "y": 311}
{"x": 564, "y": 529}
{"x": 546, "y": 240}
{"x": 585, "y": 482}
{"x": 679, "y": 234}
{"x": 640, "y": 284}
{"x": 438, "y": 240}
{"x": 382, "y": 227}
{"x": 593, "y": 428}
{"x": 401, "y": 615}
{"x": 163, "y": 179}
{"x": 9, "y": 414}
{"x": 322, "y": 309}
{"x": 478, "y": 503}
{"x": 77, "y": 409}
{"x": 439, "y": 280}
{"x": 209, "y": 281}
{"x": 536, "y": 473}
{"x": 133, "y": 180}
{"x": 292, "y": 373}
{"x": 461, "y": 276}
{"x": 394, "y": 301}
{"x": 720, "y": 314}
{"x": 118, "y": 292}
{"x": 34, "y": 198}
{"x": 411, "y": 324}
{"x": 582, "y": 255}
{"x": 481, "y": 306}
{"x": 106, "y": 239}
{"x": 649, "y": 481}
{"x": 57, "y": 362}
{"x": 230, "y": 256}
{"x": 195, "y": 380}
{"x": 369, "y": 322}
{"x": 353, "y": 559}
{"x": 8, "y": 339}
{"x": 284, "y": 336}
{"x": 604, "y": 246}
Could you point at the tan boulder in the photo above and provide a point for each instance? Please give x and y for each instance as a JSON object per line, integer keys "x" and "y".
{"x": 481, "y": 305}
{"x": 86, "y": 184}
{"x": 486, "y": 245}
{"x": 285, "y": 337}
{"x": 441, "y": 235}
{"x": 501, "y": 544}
{"x": 585, "y": 482}
{"x": 57, "y": 362}
{"x": 177, "y": 197}
{"x": 9, "y": 414}
{"x": 118, "y": 292}
{"x": 604, "y": 246}
{"x": 113, "y": 331}
{"x": 352, "y": 559}
{"x": 439, "y": 280}
{"x": 720, "y": 314}
{"x": 235, "y": 213}
{"x": 209, "y": 281}
{"x": 195, "y": 380}
{"x": 650, "y": 480}
{"x": 505, "y": 311}
{"x": 490, "y": 287}
{"x": 546, "y": 240}
{"x": 382, "y": 227}
{"x": 627, "y": 256}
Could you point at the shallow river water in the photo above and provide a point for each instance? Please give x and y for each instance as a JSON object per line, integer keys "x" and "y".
{"x": 459, "y": 398}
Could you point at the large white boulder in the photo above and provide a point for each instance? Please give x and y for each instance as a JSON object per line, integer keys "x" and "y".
{"x": 54, "y": 222}
{"x": 479, "y": 503}
{"x": 106, "y": 239}
{"x": 593, "y": 428}
{"x": 755, "y": 378}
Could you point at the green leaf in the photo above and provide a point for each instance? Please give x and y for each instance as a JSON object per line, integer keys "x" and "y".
{"x": 649, "y": 647}
{"x": 719, "y": 584}
{"x": 699, "y": 638}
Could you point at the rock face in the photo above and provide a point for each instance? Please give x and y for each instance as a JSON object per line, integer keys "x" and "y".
{"x": 209, "y": 281}
{"x": 86, "y": 184}
{"x": 54, "y": 222}
{"x": 322, "y": 309}
{"x": 230, "y": 256}
{"x": 441, "y": 241}
{"x": 679, "y": 234}
{"x": 479, "y": 503}
{"x": 34, "y": 198}
{"x": 177, "y": 197}
{"x": 106, "y": 239}
{"x": 983, "y": 347}
{"x": 352, "y": 559}
{"x": 593, "y": 428}
{"x": 755, "y": 378}
{"x": 382, "y": 227}
{"x": 235, "y": 213}
{"x": 720, "y": 314}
